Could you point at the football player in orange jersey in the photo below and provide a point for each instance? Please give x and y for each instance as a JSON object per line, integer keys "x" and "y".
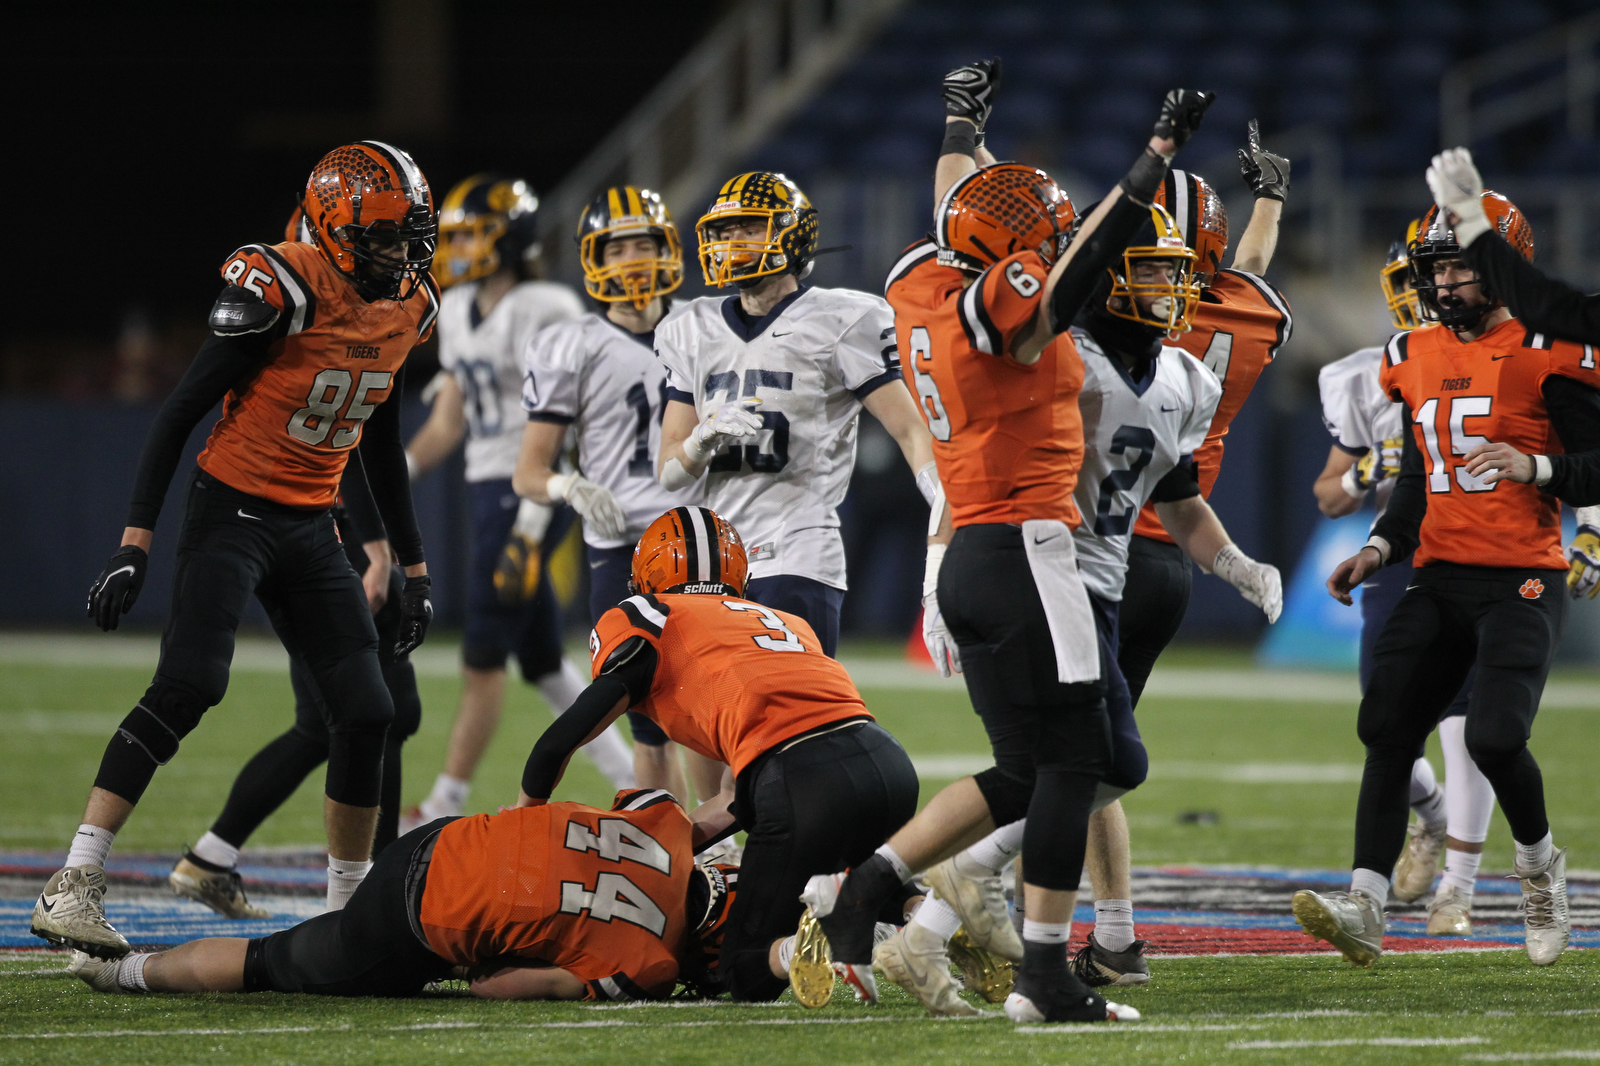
{"x": 307, "y": 344}
{"x": 816, "y": 783}
{"x": 603, "y": 905}
{"x": 981, "y": 313}
{"x": 1487, "y": 403}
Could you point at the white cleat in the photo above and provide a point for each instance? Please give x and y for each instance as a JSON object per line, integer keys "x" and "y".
{"x": 100, "y": 974}
{"x": 1450, "y": 913}
{"x": 914, "y": 958}
{"x": 981, "y": 904}
{"x": 1546, "y": 918}
{"x": 71, "y": 912}
{"x": 1413, "y": 873}
{"x": 1350, "y": 921}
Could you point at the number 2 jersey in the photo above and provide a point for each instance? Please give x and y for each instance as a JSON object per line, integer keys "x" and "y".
{"x": 286, "y": 431}
{"x": 600, "y": 894}
{"x": 733, "y": 679}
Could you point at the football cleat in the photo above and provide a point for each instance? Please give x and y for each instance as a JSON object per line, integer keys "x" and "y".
{"x": 100, "y": 974}
{"x": 811, "y": 968}
{"x": 1450, "y": 913}
{"x": 221, "y": 890}
{"x": 1096, "y": 966}
{"x": 981, "y": 903}
{"x": 1067, "y": 999}
{"x": 1547, "y": 922}
{"x": 985, "y": 972}
{"x": 844, "y": 924}
{"x": 914, "y": 958}
{"x": 71, "y": 912}
{"x": 1413, "y": 874}
{"x": 1350, "y": 921}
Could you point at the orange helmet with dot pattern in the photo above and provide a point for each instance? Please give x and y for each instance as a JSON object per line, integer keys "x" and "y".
{"x": 1000, "y": 210}
{"x": 1202, "y": 219}
{"x": 691, "y": 549}
{"x": 370, "y": 213}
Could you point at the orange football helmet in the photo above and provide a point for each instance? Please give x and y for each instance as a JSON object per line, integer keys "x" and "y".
{"x": 691, "y": 549}
{"x": 295, "y": 231}
{"x": 1436, "y": 240}
{"x": 1405, "y": 307}
{"x": 713, "y": 886}
{"x": 1000, "y": 210}
{"x": 370, "y": 213}
{"x": 1201, "y": 218}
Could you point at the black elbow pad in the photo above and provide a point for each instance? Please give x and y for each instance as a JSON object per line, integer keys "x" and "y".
{"x": 240, "y": 311}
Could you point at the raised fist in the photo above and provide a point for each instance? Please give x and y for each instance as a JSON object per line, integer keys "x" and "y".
{"x": 969, "y": 90}
{"x": 1181, "y": 113}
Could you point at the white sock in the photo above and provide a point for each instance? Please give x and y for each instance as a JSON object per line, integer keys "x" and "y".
{"x": 448, "y": 798}
{"x": 1113, "y": 923}
{"x": 1536, "y": 855}
{"x": 1046, "y": 932}
{"x": 894, "y": 860}
{"x": 786, "y": 952}
{"x": 610, "y": 753}
{"x": 216, "y": 851}
{"x": 1372, "y": 883}
{"x": 989, "y": 856}
{"x": 130, "y": 972}
{"x": 938, "y": 917}
{"x": 344, "y": 877}
{"x": 1427, "y": 798}
{"x": 90, "y": 846}
{"x": 1461, "y": 870}
{"x": 1468, "y": 796}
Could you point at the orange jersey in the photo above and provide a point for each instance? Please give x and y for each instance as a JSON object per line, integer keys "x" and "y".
{"x": 1463, "y": 394}
{"x": 1008, "y": 437}
{"x": 1238, "y": 329}
{"x": 600, "y": 894}
{"x": 733, "y": 678}
{"x": 285, "y": 433}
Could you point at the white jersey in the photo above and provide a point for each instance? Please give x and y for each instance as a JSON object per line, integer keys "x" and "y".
{"x": 1355, "y": 410}
{"x": 810, "y": 362}
{"x": 1134, "y": 433}
{"x": 485, "y": 357}
{"x": 607, "y": 384}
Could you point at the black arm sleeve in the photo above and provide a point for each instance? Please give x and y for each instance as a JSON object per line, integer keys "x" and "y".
{"x": 1179, "y": 483}
{"x": 1575, "y": 415}
{"x": 221, "y": 364}
{"x": 1099, "y": 251}
{"x": 383, "y": 455}
{"x": 629, "y": 673}
{"x": 1401, "y": 524}
{"x": 1540, "y": 302}
{"x": 360, "y": 509}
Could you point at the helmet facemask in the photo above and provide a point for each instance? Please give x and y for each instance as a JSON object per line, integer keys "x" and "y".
{"x": 1172, "y": 295}
{"x": 1445, "y": 303}
{"x": 744, "y": 261}
{"x": 635, "y": 281}
{"x": 390, "y": 258}
{"x": 1405, "y": 306}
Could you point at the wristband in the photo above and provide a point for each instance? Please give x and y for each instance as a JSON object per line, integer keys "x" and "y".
{"x": 960, "y": 138}
{"x": 1379, "y": 545}
{"x": 556, "y": 487}
{"x": 1543, "y": 470}
{"x": 1350, "y": 485}
{"x": 1144, "y": 178}
{"x": 930, "y": 569}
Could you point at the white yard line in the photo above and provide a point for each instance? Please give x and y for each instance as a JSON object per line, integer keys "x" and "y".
{"x": 1537, "y": 1056}
{"x": 1373, "y": 1041}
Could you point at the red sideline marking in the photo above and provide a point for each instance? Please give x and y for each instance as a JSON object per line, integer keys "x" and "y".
{"x": 1211, "y": 940}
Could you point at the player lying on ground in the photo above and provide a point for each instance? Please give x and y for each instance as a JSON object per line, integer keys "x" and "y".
{"x": 1477, "y": 499}
{"x": 604, "y": 905}
{"x": 816, "y": 782}
{"x": 284, "y": 330}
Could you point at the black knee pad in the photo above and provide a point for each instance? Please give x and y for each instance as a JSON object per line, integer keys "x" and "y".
{"x": 1007, "y": 792}
{"x": 1494, "y": 740}
{"x": 355, "y": 769}
{"x": 161, "y": 720}
{"x": 357, "y": 699}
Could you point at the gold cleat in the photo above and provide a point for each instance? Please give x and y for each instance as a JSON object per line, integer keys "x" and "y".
{"x": 986, "y": 973}
{"x": 811, "y": 968}
{"x": 222, "y": 891}
{"x": 1414, "y": 871}
{"x": 1351, "y": 921}
{"x": 1450, "y": 913}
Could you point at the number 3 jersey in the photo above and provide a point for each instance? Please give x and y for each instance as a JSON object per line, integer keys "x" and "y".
{"x": 811, "y": 361}
{"x": 600, "y": 894}
{"x": 733, "y": 679}
{"x": 286, "y": 432}
{"x": 486, "y": 355}
{"x": 1134, "y": 432}
{"x": 606, "y": 382}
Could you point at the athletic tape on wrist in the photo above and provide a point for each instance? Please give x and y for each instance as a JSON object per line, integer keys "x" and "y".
{"x": 960, "y": 138}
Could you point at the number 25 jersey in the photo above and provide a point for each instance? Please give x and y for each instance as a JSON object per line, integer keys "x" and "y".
{"x": 286, "y": 432}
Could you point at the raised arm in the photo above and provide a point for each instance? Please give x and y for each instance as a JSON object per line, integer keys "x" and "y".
{"x": 1267, "y": 174}
{"x": 968, "y": 98}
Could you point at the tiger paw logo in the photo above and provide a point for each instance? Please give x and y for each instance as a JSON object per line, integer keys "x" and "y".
{"x": 1532, "y": 589}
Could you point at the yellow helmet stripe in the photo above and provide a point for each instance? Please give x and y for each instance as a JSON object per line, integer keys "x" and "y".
{"x": 635, "y": 205}
{"x": 614, "y": 203}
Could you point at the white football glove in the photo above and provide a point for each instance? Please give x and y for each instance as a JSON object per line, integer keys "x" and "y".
{"x": 1583, "y": 555}
{"x": 731, "y": 421}
{"x": 935, "y": 634}
{"x": 1257, "y": 582}
{"x": 1458, "y": 190}
{"x": 598, "y": 507}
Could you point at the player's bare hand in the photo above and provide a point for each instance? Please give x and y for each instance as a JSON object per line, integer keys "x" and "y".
{"x": 115, "y": 591}
{"x": 1352, "y": 572}
{"x": 375, "y": 582}
{"x": 1500, "y": 462}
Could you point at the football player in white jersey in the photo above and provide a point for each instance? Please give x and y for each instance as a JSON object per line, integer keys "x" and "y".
{"x": 764, "y": 389}
{"x": 1365, "y": 460}
{"x": 490, "y": 311}
{"x": 598, "y": 374}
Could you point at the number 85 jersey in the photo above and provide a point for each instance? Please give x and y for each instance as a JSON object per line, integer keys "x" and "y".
{"x": 286, "y": 432}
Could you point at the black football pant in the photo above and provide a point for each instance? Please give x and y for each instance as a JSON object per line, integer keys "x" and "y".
{"x": 819, "y": 806}
{"x": 1155, "y": 597}
{"x": 232, "y": 546}
{"x": 1051, "y": 741}
{"x": 1507, "y": 622}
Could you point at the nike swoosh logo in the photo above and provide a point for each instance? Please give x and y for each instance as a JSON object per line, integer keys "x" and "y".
{"x": 1168, "y": 410}
{"x": 395, "y": 334}
{"x": 250, "y": 516}
{"x": 48, "y": 903}
{"x": 597, "y": 565}
{"x": 1046, "y": 540}
{"x": 784, "y": 334}
{"x": 1497, "y": 358}
{"x": 119, "y": 570}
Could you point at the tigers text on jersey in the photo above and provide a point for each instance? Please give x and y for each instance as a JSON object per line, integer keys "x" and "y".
{"x": 1463, "y": 394}
{"x": 486, "y": 357}
{"x": 594, "y": 375}
{"x": 733, "y": 678}
{"x": 1238, "y": 328}
{"x": 286, "y": 432}
{"x": 1134, "y": 433}
{"x": 1357, "y": 412}
{"x": 598, "y": 893}
{"x": 1008, "y": 437}
{"x": 811, "y": 361}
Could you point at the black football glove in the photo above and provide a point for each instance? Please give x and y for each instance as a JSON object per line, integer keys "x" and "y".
{"x": 1181, "y": 112}
{"x": 1266, "y": 173}
{"x": 117, "y": 588}
{"x": 969, "y": 91}
{"x": 416, "y": 611}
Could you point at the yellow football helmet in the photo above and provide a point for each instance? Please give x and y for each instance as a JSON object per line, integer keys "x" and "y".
{"x": 1160, "y": 240}
{"x": 624, "y": 211}
{"x": 1405, "y": 306}
{"x": 791, "y": 238}
{"x": 487, "y": 220}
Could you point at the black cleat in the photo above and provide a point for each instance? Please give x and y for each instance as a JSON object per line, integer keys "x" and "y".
{"x": 1062, "y": 998}
{"x": 1097, "y": 966}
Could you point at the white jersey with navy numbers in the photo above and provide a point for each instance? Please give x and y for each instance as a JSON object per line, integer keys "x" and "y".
{"x": 810, "y": 361}
{"x": 607, "y": 384}
{"x": 485, "y": 357}
{"x": 1134, "y": 433}
{"x": 1355, "y": 410}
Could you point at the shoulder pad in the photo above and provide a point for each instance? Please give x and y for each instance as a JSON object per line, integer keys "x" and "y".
{"x": 623, "y": 653}
{"x": 239, "y": 311}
